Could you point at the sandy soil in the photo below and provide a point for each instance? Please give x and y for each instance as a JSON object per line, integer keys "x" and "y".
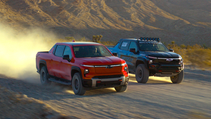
{"x": 15, "y": 105}
{"x": 159, "y": 98}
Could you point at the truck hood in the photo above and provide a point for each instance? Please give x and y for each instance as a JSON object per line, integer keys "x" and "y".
{"x": 162, "y": 54}
{"x": 102, "y": 60}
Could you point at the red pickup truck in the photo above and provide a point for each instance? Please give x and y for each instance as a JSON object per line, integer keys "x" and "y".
{"x": 82, "y": 65}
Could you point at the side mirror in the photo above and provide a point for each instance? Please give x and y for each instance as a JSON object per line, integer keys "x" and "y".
{"x": 66, "y": 57}
{"x": 133, "y": 50}
{"x": 171, "y": 50}
{"x": 115, "y": 54}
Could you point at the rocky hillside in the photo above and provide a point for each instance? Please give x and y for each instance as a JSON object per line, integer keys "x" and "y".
{"x": 182, "y": 21}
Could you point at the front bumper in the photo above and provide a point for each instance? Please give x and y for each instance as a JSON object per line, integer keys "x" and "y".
{"x": 106, "y": 82}
{"x": 165, "y": 69}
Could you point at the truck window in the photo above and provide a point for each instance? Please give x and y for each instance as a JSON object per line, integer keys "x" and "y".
{"x": 59, "y": 50}
{"x": 53, "y": 48}
{"x": 124, "y": 45}
{"x": 67, "y": 51}
{"x": 162, "y": 48}
{"x": 152, "y": 47}
{"x": 91, "y": 51}
{"x": 133, "y": 45}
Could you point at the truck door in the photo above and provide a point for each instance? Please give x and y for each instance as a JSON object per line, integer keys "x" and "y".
{"x": 66, "y": 65}
{"x": 132, "y": 56}
{"x": 49, "y": 61}
{"x": 56, "y": 61}
{"x": 123, "y": 52}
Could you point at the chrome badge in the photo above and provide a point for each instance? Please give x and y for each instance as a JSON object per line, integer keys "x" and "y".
{"x": 169, "y": 59}
{"x": 109, "y": 67}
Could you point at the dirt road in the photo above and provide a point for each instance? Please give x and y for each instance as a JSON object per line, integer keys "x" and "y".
{"x": 159, "y": 98}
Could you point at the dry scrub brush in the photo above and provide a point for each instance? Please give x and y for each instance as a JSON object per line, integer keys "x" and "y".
{"x": 194, "y": 55}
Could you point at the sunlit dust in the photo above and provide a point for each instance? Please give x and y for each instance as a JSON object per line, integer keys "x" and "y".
{"x": 152, "y": 79}
{"x": 95, "y": 92}
{"x": 132, "y": 75}
{"x": 18, "y": 51}
{"x": 69, "y": 91}
{"x": 100, "y": 91}
{"x": 134, "y": 81}
{"x": 160, "y": 79}
{"x": 112, "y": 89}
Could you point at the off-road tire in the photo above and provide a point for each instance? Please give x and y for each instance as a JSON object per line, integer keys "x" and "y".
{"x": 121, "y": 88}
{"x": 178, "y": 78}
{"x": 142, "y": 73}
{"x": 44, "y": 76}
{"x": 77, "y": 86}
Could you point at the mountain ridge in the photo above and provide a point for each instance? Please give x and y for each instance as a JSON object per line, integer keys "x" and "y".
{"x": 182, "y": 21}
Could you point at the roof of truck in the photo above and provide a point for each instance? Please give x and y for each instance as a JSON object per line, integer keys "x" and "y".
{"x": 78, "y": 43}
{"x": 143, "y": 39}
{"x": 129, "y": 39}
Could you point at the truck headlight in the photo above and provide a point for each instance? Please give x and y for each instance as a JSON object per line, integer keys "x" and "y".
{"x": 150, "y": 61}
{"x": 180, "y": 58}
{"x": 87, "y": 65}
{"x": 86, "y": 71}
{"x": 181, "y": 62}
{"x": 150, "y": 57}
{"x": 123, "y": 64}
{"x": 126, "y": 69}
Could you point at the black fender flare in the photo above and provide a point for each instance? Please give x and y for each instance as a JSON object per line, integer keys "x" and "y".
{"x": 75, "y": 68}
{"x": 141, "y": 60}
{"x": 43, "y": 62}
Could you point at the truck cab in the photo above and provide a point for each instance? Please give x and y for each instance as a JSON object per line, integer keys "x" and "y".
{"x": 149, "y": 57}
{"x": 82, "y": 65}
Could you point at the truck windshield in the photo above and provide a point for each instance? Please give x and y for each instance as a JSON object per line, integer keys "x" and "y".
{"x": 153, "y": 47}
{"x": 91, "y": 51}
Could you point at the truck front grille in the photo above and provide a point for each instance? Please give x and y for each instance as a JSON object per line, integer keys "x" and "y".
{"x": 108, "y": 76}
{"x": 163, "y": 61}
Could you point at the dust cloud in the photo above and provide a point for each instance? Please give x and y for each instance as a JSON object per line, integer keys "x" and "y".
{"x": 18, "y": 51}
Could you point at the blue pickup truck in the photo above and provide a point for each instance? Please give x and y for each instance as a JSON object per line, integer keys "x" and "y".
{"x": 149, "y": 57}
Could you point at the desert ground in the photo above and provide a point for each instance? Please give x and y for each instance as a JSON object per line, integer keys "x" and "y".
{"x": 157, "y": 99}
{"x": 29, "y": 26}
